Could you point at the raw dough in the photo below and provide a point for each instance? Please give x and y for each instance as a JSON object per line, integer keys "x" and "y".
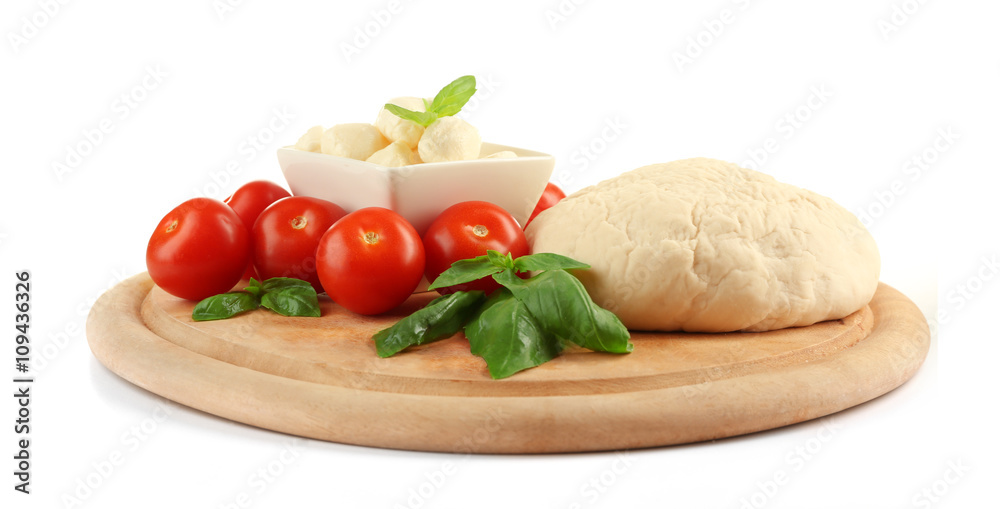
{"x": 703, "y": 245}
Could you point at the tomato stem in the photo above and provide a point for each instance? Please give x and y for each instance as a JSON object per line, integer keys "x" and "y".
{"x": 371, "y": 238}
{"x": 172, "y": 226}
{"x": 480, "y": 230}
{"x": 299, "y": 222}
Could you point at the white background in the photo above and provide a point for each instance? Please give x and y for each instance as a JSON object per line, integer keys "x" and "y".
{"x": 890, "y": 84}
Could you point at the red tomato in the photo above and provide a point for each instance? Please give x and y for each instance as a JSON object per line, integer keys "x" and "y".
{"x": 249, "y": 201}
{"x": 199, "y": 249}
{"x": 466, "y": 230}
{"x": 286, "y": 234}
{"x": 370, "y": 261}
{"x": 550, "y": 196}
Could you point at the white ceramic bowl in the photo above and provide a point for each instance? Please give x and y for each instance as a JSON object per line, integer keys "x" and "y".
{"x": 420, "y": 192}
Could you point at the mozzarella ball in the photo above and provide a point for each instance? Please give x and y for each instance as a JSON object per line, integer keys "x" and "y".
{"x": 356, "y": 141}
{"x": 310, "y": 140}
{"x": 395, "y": 155}
{"x": 398, "y": 129}
{"x": 702, "y": 245}
{"x": 449, "y": 139}
{"x": 503, "y": 154}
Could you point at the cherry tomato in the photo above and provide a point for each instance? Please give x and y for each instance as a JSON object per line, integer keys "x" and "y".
{"x": 286, "y": 234}
{"x": 550, "y": 196}
{"x": 199, "y": 249}
{"x": 370, "y": 261}
{"x": 467, "y": 230}
{"x": 249, "y": 201}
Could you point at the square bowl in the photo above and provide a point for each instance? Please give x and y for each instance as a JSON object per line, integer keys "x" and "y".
{"x": 419, "y": 192}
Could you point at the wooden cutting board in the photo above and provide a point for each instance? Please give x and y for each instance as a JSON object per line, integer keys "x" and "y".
{"x": 321, "y": 378}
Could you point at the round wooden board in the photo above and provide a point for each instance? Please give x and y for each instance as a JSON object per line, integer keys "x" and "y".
{"x": 321, "y": 378}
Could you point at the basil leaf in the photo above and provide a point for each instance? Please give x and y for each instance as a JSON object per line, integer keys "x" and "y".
{"x": 439, "y": 319}
{"x": 464, "y": 271}
{"x": 506, "y": 335}
{"x": 547, "y": 261}
{"x": 508, "y": 278}
{"x": 280, "y": 283}
{"x": 254, "y": 288}
{"x": 564, "y": 309}
{"x": 424, "y": 118}
{"x": 499, "y": 259}
{"x": 292, "y": 301}
{"x": 453, "y": 96}
{"x": 224, "y": 305}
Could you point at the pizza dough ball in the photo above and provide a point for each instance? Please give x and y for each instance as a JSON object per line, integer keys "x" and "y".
{"x": 398, "y": 129}
{"x": 703, "y": 245}
{"x": 449, "y": 139}
{"x": 357, "y": 141}
{"x": 395, "y": 155}
{"x": 310, "y": 141}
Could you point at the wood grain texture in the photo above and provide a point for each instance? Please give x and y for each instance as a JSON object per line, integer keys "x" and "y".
{"x": 320, "y": 377}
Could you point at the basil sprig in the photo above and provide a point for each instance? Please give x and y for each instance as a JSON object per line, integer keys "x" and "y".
{"x": 508, "y": 337}
{"x": 524, "y": 324}
{"x": 441, "y": 318}
{"x": 446, "y": 103}
{"x": 283, "y": 295}
{"x": 225, "y": 305}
